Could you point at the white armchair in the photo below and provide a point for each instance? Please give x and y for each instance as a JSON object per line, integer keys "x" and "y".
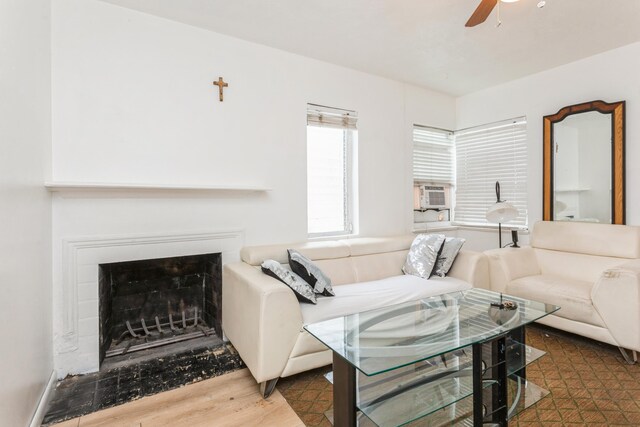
{"x": 616, "y": 296}
{"x": 592, "y": 271}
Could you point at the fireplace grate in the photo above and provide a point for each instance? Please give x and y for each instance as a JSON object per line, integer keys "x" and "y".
{"x": 158, "y": 333}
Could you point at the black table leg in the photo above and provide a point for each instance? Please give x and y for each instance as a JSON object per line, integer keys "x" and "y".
{"x": 519, "y": 335}
{"x": 344, "y": 393}
{"x": 498, "y": 412}
{"x": 499, "y": 360}
{"x": 478, "y": 406}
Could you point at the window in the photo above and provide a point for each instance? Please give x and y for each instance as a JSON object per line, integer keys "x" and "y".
{"x": 433, "y": 155}
{"x": 484, "y": 155}
{"x": 331, "y": 136}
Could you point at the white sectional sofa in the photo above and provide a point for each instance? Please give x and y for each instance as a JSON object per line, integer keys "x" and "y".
{"x": 263, "y": 319}
{"x": 592, "y": 271}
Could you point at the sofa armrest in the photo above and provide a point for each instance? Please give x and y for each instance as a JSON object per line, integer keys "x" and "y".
{"x": 261, "y": 317}
{"x": 616, "y": 297}
{"x": 472, "y": 267}
{"x": 508, "y": 264}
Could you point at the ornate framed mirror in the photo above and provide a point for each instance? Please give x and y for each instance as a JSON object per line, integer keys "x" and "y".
{"x": 583, "y": 163}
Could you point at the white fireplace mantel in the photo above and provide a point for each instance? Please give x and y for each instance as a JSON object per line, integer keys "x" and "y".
{"x": 58, "y": 186}
{"x": 76, "y": 326}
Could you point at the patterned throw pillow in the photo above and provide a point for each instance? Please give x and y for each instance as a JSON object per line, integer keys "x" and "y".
{"x": 423, "y": 255}
{"x": 450, "y": 249}
{"x": 305, "y": 268}
{"x": 303, "y": 290}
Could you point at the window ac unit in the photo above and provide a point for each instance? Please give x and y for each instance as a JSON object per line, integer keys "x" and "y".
{"x": 434, "y": 196}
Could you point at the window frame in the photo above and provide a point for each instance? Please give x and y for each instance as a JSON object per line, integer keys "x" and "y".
{"x": 454, "y": 187}
{"x": 349, "y": 140}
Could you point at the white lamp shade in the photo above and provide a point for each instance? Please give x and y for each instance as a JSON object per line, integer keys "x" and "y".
{"x": 560, "y": 206}
{"x": 501, "y": 212}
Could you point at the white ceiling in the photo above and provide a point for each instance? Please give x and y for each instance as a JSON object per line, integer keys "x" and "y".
{"x": 423, "y": 42}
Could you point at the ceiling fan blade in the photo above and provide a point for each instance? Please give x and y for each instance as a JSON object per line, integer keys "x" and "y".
{"x": 481, "y": 13}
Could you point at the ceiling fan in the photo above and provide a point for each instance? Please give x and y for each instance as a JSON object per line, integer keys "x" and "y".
{"x": 484, "y": 9}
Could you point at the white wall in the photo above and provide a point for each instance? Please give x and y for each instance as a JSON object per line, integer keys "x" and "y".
{"x": 610, "y": 76}
{"x": 133, "y": 101}
{"x": 25, "y": 208}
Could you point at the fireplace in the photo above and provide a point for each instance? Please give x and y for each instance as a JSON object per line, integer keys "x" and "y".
{"x": 76, "y": 290}
{"x": 148, "y": 318}
{"x": 150, "y": 303}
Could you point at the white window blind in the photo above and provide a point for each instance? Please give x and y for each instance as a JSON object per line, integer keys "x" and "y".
{"x": 433, "y": 155}
{"x": 331, "y": 117}
{"x": 484, "y": 155}
{"x": 331, "y": 134}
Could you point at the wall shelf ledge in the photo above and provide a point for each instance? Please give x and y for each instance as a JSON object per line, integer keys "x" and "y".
{"x": 58, "y": 186}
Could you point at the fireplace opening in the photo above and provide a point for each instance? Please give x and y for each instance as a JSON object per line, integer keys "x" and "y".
{"x": 151, "y": 303}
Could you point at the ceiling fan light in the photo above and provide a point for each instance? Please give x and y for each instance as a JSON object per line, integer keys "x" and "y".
{"x": 508, "y": 1}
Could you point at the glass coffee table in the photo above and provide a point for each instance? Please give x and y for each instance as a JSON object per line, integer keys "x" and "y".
{"x": 454, "y": 358}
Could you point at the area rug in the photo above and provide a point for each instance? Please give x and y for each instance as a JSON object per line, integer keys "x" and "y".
{"x": 590, "y": 384}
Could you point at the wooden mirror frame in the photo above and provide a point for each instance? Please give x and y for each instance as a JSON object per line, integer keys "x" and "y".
{"x": 617, "y": 111}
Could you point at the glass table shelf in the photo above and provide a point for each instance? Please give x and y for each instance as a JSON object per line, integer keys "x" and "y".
{"x": 515, "y": 353}
{"x": 388, "y": 338}
{"x": 421, "y": 398}
{"x": 515, "y": 363}
{"x": 430, "y": 387}
{"x": 523, "y": 394}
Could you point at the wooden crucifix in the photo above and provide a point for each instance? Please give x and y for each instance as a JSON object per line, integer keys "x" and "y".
{"x": 221, "y": 85}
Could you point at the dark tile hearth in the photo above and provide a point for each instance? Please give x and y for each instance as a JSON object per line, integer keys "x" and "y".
{"x": 126, "y": 379}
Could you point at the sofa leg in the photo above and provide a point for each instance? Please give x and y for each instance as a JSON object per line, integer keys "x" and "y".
{"x": 267, "y": 387}
{"x": 630, "y": 359}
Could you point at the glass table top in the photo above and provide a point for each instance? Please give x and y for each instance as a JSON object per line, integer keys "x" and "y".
{"x": 380, "y": 340}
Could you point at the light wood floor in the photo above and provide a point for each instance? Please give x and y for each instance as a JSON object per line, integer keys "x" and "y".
{"x": 229, "y": 400}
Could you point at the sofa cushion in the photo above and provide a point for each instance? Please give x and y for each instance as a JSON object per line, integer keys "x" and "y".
{"x": 378, "y": 266}
{"x": 621, "y": 241}
{"x": 573, "y": 296}
{"x": 307, "y": 344}
{"x": 377, "y": 245}
{"x": 358, "y": 297}
{"x": 339, "y": 270}
{"x": 254, "y": 255}
{"x": 323, "y": 250}
{"x": 423, "y": 255}
{"x": 447, "y": 255}
{"x": 575, "y": 266}
{"x": 302, "y": 290}
{"x": 311, "y": 273}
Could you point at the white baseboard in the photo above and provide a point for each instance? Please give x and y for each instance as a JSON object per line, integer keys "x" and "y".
{"x": 36, "y": 421}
